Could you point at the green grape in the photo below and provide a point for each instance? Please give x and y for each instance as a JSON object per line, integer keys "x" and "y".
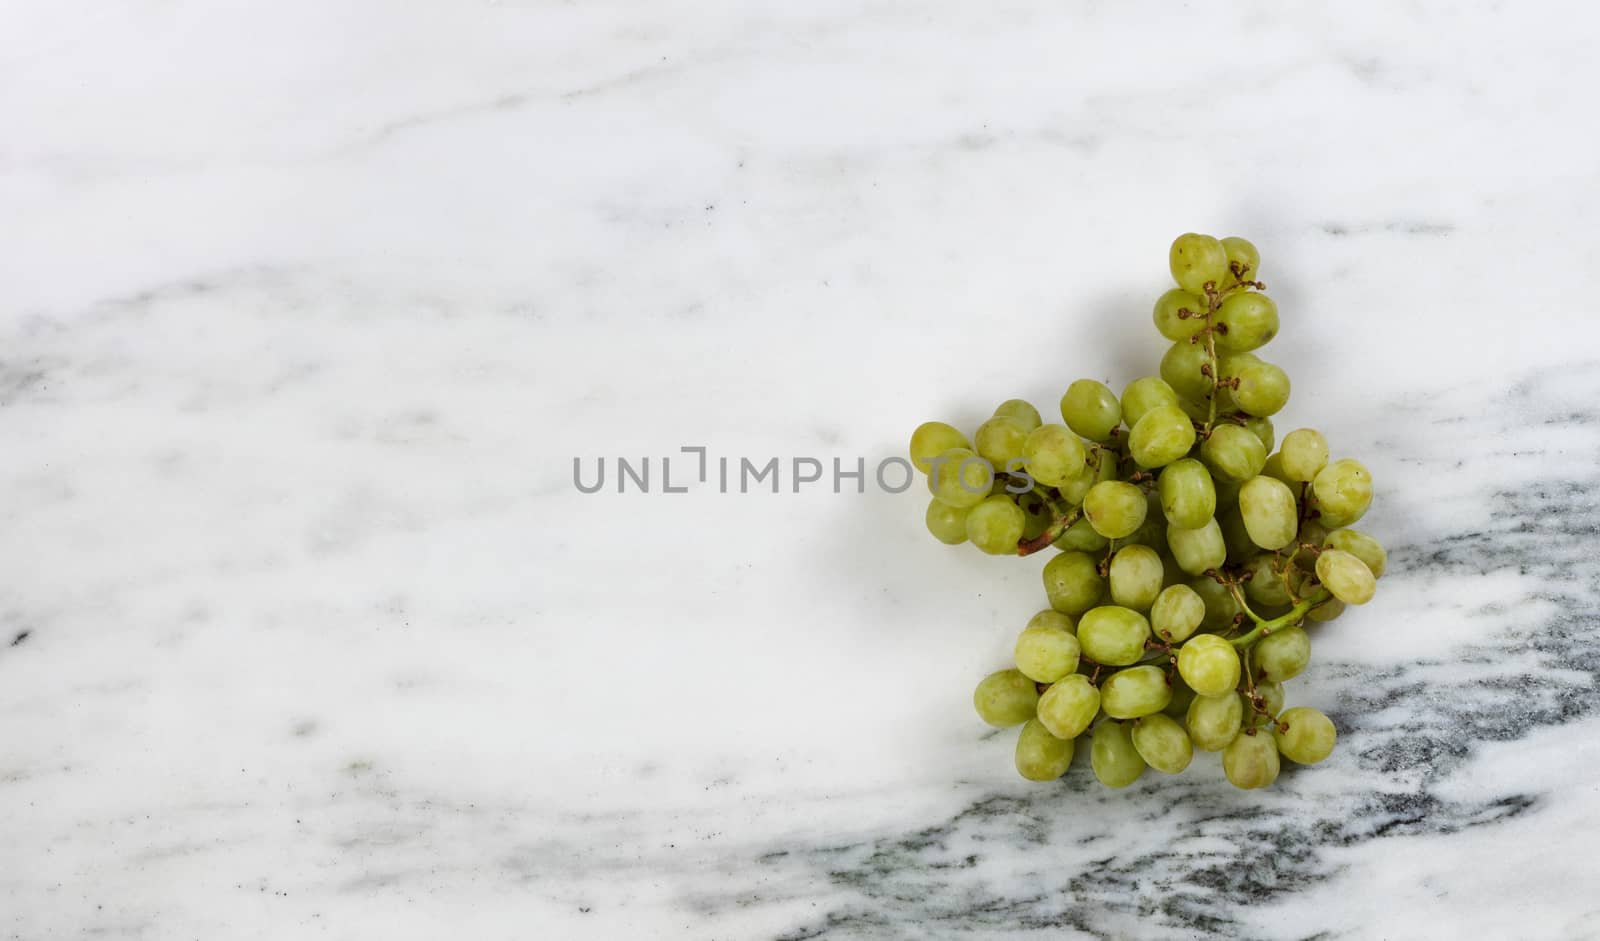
{"x": 1197, "y": 549}
{"x": 1054, "y": 455}
{"x": 1274, "y": 468}
{"x": 933, "y": 438}
{"x": 1040, "y": 755}
{"x": 1271, "y": 697}
{"x": 1251, "y": 760}
{"x": 947, "y": 523}
{"x": 1136, "y": 577}
{"x": 1112, "y": 755}
{"x": 1233, "y": 453}
{"x": 1072, "y": 582}
{"x": 1263, "y": 584}
{"x": 1220, "y": 606}
{"x": 1114, "y": 508}
{"x": 1113, "y": 635}
{"x": 1020, "y": 412}
{"x": 1182, "y": 696}
{"x": 1209, "y": 664}
{"x": 1198, "y": 410}
{"x": 1271, "y": 515}
{"x": 1304, "y": 735}
{"x": 1197, "y": 260}
{"x": 1188, "y": 495}
{"x": 1177, "y": 613}
{"x": 1090, "y": 409}
{"x": 1000, "y": 439}
{"x": 1263, "y": 389}
{"x": 1282, "y": 655}
{"x": 1005, "y": 698}
{"x": 1312, "y": 533}
{"x": 1052, "y": 620}
{"x": 1346, "y": 576}
{"x": 1074, "y": 490}
{"x": 995, "y": 525}
{"x": 1036, "y": 516}
{"x": 1213, "y": 721}
{"x": 1153, "y": 531}
{"x": 1144, "y": 394}
{"x": 960, "y": 478}
{"x": 1305, "y": 454}
{"x": 1344, "y": 491}
{"x": 1081, "y": 536}
{"x": 1046, "y": 654}
{"x": 1068, "y": 706}
{"x": 1227, "y": 492}
{"x": 1180, "y": 315}
{"x": 1134, "y": 692}
{"x": 1162, "y": 743}
{"x": 1245, "y": 321}
{"x": 1242, "y": 259}
{"x": 1261, "y": 428}
{"x": 1326, "y": 611}
{"x": 1162, "y": 436}
{"x": 1180, "y": 367}
{"x": 1362, "y": 546}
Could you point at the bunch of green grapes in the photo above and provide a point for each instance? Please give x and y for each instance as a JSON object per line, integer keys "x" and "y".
{"x": 1191, "y": 555}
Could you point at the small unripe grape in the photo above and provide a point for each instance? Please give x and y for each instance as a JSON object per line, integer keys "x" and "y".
{"x": 1167, "y": 314}
{"x": 1263, "y": 389}
{"x": 1247, "y": 321}
{"x": 1113, "y": 635}
{"x": 1153, "y": 531}
{"x": 1177, "y": 613}
{"x": 933, "y": 438}
{"x": 1072, "y": 582}
{"x": 1000, "y": 439}
{"x": 1090, "y": 409}
{"x": 1144, "y": 394}
{"x": 1274, "y": 469}
{"x": 1234, "y": 453}
{"x": 1309, "y": 736}
{"x": 1046, "y": 654}
{"x": 1180, "y": 367}
{"x": 1080, "y": 536}
{"x": 1261, "y": 427}
{"x": 1219, "y": 602}
{"x": 1271, "y": 515}
{"x": 1054, "y": 455}
{"x": 1197, "y": 260}
{"x": 1271, "y": 697}
{"x": 1213, "y": 721}
{"x": 1051, "y": 619}
{"x": 1162, "y": 436}
{"x": 1305, "y": 454}
{"x": 1068, "y": 706}
{"x": 1346, "y": 576}
{"x": 1188, "y": 495}
{"x": 1005, "y": 698}
{"x": 1136, "y": 575}
{"x": 1115, "y": 508}
{"x": 1251, "y": 760}
{"x": 1134, "y": 692}
{"x": 1326, "y": 611}
{"x": 995, "y": 525}
{"x": 1312, "y": 533}
{"x": 960, "y": 478}
{"x": 1209, "y": 664}
{"x": 1162, "y": 743}
{"x": 1020, "y": 412}
{"x": 1112, "y": 755}
{"x": 1198, "y": 549}
{"x": 1282, "y": 655}
{"x": 1263, "y": 584}
{"x": 947, "y": 523}
{"x": 1242, "y": 257}
{"x": 1041, "y": 756}
{"x": 1344, "y": 491}
{"x": 1362, "y": 546}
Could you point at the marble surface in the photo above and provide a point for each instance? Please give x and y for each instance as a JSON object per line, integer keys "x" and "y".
{"x": 307, "y": 309}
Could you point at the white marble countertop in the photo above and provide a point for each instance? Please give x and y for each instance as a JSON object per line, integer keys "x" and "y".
{"x": 306, "y": 309}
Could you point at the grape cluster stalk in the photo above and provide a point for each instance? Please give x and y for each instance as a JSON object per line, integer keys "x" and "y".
{"x": 1191, "y": 555}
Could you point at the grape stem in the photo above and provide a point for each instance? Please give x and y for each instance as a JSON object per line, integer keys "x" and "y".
{"x": 1265, "y": 627}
